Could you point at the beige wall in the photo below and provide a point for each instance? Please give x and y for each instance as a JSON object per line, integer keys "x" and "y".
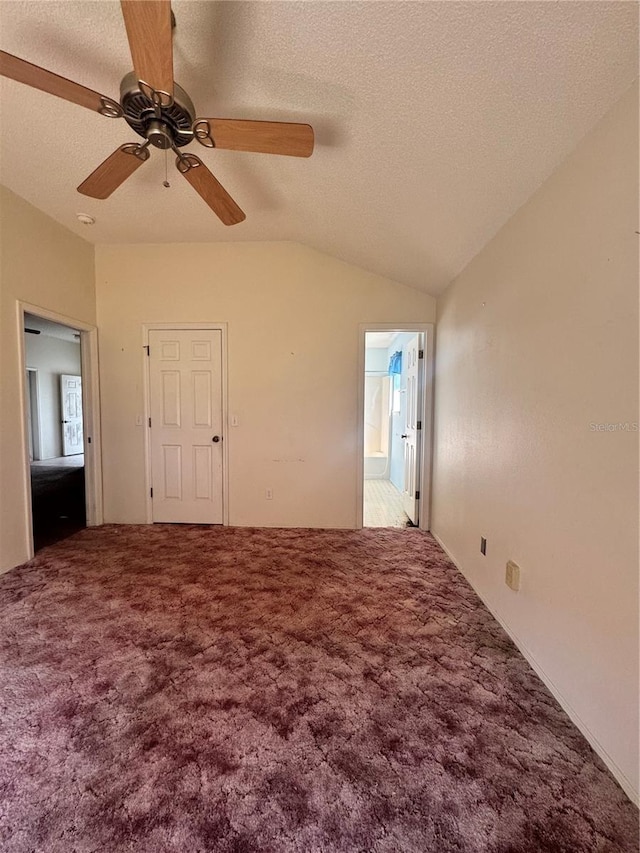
{"x": 44, "y": 264}
{"x": 293, "y": 316}
{"x": 536, "y": 341}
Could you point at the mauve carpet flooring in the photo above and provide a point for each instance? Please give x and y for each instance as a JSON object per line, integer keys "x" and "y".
{"x": 180, "y": 688}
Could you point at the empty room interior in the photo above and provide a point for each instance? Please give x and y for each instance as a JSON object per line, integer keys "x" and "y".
{"x": 319, "y": 512}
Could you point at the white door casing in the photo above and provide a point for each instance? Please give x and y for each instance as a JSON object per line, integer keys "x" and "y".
{"x": 185, "y": 405}
{"x": 411, "y": 367}
{"x": 33, "y": 414}
{"x": 71, "y": 404}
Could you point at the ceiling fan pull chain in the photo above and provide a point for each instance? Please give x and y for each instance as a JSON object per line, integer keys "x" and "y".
{"x": 166, "y": 183}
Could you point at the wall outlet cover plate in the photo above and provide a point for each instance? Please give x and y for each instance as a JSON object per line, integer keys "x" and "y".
{"x": 512, "y": 576}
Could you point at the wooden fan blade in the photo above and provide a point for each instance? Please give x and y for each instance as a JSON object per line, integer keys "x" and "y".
{"x": 210, "y": 189}
{"x": 148, "y": 25}
{"x": 264, "y": 137}
{"x": 114, "y": 171}
{"x": 39, "y": 78}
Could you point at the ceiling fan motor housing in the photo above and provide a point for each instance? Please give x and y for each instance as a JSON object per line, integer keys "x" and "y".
{"x": 159, "y": 134}
{"x": 172, "y": 128}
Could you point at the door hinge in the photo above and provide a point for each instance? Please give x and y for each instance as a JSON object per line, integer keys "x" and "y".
{"x": 149, "y": 423}
{"x": 417, "y": 496}
{"x": 151, "y": 492}
{"x": 148, "y": 349}
{"x": 420, "y": 353}
{"x": 419, "y": 425}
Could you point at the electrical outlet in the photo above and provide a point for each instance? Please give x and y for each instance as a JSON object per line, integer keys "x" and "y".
{"x": 512, "y": 576}
{"x": 268, "y": 494}
{"x": 483, "y": 545}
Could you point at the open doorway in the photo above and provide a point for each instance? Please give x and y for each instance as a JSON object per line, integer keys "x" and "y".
{"x": 61, "y": 421}
{"x": 56, "y": 446}
{"x": 396, "y": 393}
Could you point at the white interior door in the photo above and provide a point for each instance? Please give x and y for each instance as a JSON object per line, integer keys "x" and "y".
{"x": 185, "y": 382}
{"x": 71, "y": 402}
{"x": 411, "y": 367}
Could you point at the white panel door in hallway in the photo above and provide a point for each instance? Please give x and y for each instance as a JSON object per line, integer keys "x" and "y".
{"x": 411, "y": 367}
{"x": 71, "y": 402}
{"x": 185, "y": 384}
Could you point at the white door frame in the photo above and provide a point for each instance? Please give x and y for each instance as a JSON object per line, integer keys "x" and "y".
{"x": 90, "y": 413}
{"x": 426, "y": 415}
{"x": 221, "y": 327}
{"x": 33, "y": 399}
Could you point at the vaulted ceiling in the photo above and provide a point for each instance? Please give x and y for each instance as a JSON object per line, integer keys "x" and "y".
{"x": 434, "y": 121}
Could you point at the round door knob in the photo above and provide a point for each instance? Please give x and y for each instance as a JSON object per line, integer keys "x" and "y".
{"x": 216, "y": 438}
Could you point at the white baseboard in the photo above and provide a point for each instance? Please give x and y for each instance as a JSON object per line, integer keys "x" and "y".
{"x": 575, "y": 718}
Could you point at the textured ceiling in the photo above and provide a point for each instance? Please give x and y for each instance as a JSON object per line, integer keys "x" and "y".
{"x": 434, "y": 121}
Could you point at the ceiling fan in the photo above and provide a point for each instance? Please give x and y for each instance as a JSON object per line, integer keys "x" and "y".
{"x": 161, "y": 112}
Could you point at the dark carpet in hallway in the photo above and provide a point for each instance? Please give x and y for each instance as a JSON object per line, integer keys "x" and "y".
{"x": 195, "y": 689}
{"x": 57, "y": 502}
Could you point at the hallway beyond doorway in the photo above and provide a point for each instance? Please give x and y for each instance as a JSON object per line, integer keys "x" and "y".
{"x": 58, "y": 499}
{"x": 75, "y": 461}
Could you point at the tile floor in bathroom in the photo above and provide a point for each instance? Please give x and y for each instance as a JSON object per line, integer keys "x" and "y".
{"x": 383, "y": 505}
